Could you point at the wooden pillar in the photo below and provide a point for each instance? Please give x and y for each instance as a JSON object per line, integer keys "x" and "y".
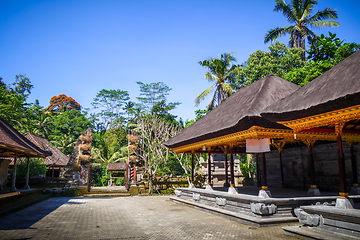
{"x": 311, "y": 167}
{"x": 279, "y": 146}
{"x": 13, "y": 188}
{"x": 226, "y": 171}
{"x": 232, "y": 174}
{"x": 209, "y": 169}
{"x": 263, "y": 173}
{"x": 281, "y": 170}
{"x": 110, "y": 178}
{"x": 27, "y": 173}
{"x": 341, "y": 162}
{"x": 192, "y": 166}
{"x": 258, "y": 175}
{"x": 53, "y": 169}
{"x": 354, "y": 166}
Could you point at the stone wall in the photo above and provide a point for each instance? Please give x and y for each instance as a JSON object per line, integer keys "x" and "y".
{"x": 295, "y": 166}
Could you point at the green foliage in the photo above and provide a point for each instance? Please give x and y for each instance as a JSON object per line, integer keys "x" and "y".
{"x": 298, "y": 14}
{"x": 222, "y": 71}
{"x": 311, "y": 70}
{"x": 328, "y": 52}
{"x": 111, "y": 103}
{"x": 278, "y": 61}
{"x": 22, "y": 85}
{"x": 71, "y": 123}
{"x": 324, "y": 47}
{"x": 36, "y": 168}
{"x": 198, "y": 114}
{"x": 247, "y": 165}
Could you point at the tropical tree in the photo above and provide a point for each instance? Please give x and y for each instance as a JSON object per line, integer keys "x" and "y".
{"x": 111, "y": 103}
{"x": 65, "y": 143}
{"x": 298, "y": 14}
{"x": 62, "y": 102}
{"x": 221, "y": 71}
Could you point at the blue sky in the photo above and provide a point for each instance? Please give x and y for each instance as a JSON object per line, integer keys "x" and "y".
{"x": 78, "y": 47}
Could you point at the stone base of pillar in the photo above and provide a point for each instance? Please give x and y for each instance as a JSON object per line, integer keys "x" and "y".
{"x": 355, "y": 191}
{"x": 27, "y": 187}
{"x": 344, "y": 203}
{"x": 264, "y": 193}
{"x": 13, "y": 189}
{"x": 226, "y": 184}
{"x": 313, "y": 192}
{"x": 192, "y": 185}
{"x": 232, "y": 190}
{"x": 209, "y": 187}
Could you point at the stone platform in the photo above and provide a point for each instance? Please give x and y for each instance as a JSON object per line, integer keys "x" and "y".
{"x": 247, "y": 208}
{"x": 326, "y": 222}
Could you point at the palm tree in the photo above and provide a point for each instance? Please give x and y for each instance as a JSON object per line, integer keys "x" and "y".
{"x": 65, "y": 143}
{"x": 221, "y": 70}
{"x": 298, "y": 14}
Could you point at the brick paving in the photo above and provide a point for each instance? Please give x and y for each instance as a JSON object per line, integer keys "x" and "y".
{"x": 137, "y": 217}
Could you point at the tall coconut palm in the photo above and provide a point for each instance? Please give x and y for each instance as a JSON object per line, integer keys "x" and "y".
{"x": 221, "y": 70}
{"x": 298, "y": 14}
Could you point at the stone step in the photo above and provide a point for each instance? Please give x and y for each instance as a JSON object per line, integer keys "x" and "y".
{"x": 107, "y": 195}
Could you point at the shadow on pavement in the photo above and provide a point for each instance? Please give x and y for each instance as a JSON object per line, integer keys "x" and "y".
{"x": 25, "y": 218}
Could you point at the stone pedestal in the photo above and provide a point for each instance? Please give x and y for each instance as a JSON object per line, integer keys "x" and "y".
{"x": 344, "y": 203}
{"x": 192, "y": 185}
{"x": 4, "y": 165}
{"x": 313, "y": 192}
{"x": 264, "y": 193}
{"x": 209, "y": 187}
{"x": 232, "y": 190}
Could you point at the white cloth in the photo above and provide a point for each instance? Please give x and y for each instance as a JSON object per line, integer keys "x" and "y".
{"x": 257, "y": 145}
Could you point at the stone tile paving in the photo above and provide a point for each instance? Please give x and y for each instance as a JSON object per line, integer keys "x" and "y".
{"x": 125, "y": 218}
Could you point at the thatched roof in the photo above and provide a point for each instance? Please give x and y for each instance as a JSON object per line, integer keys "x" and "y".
{"x": 335, "y": 89}
{"x": 58, "y": 158}
{"x": 11, "y": 142}
{"x": 239, "y": 112}
{"x": 118, "y": 166}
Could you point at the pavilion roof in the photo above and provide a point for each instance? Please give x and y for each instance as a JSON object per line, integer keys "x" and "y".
{"x": 57, "y": 158}
{"x": 11, "y": 142}
{"x": 239, "y": 112}
{"x": 338, "y": 88}
{"x": 118, "y": 166}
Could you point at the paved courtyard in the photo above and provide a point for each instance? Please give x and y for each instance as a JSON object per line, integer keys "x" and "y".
{"x": 125, "y": 218}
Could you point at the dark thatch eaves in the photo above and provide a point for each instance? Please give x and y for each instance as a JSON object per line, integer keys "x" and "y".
{"x": 11, "y": 142}
{"x": 57, "y": 159}
{"x": 118, "y": 166}
{"x": 335, "y": 89}
{"x": 237, "y": 113}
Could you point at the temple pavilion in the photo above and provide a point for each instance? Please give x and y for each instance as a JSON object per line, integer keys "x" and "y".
{"x": 13, "y": 145}
{"x": 311, "y": 138}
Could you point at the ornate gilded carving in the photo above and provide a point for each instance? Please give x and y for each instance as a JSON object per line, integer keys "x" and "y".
{"x": 255, "y": 132}
{"x": 324, "y": 119}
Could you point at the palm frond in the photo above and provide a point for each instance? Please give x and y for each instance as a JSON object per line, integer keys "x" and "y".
{"x": 323, "y": 24}
{"x": 203, "y": 95}
{"x": 211, "y": 77}
{"x": 307, "y": 8}
{"x": 227, "y": 89}
{"x": 281, "y": 6}
{"x": 275, "y": 33}
{"x": 327, "y": 13}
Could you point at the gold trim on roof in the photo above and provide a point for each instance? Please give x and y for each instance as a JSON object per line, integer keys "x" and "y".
{"x": 256, "y": 132}
{"x": 324, "y": 119}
